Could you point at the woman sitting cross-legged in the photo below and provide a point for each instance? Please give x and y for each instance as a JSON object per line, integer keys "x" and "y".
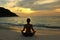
{"x": 28, "y": 29}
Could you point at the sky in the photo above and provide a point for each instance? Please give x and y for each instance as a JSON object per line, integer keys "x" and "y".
{"x": 32, "y": 7}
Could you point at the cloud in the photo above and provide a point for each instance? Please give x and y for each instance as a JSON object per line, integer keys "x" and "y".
{"x": 57, "y": 10}
{"x": 20, "y": 10}
{"x": 46, "y": 4}
{"x": 40, "y": 5}
{"x": 49, "y": 6}
{"x": 2, "y": 2}
{"x": 11, "y": 3}
{"x": 26, "y": 3}
{"x": 33, "y": 4}
{"x": 44, "y": 1}
{"x": 54, "y": 12}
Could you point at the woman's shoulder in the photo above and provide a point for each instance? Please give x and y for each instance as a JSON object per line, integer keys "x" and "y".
{"x": 28, "y": 24}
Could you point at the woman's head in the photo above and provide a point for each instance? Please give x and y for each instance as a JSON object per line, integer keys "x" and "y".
{"x": 28, "y": 20}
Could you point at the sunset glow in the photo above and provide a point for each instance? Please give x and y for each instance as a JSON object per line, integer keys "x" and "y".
{"x": 32, "y": 7}
{"x": 26, "y": 10}
{"x": 21, "y": 11}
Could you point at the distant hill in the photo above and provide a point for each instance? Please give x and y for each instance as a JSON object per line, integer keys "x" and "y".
{"x": 6, "y": 13}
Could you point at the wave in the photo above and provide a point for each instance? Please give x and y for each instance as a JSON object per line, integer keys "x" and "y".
{"x": 35, "y": 25}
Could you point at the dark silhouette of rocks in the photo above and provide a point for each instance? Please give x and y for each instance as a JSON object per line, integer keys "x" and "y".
{"x": 6, "y": 13}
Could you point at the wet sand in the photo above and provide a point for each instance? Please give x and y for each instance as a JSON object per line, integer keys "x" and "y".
{"x": 41, "y": 34}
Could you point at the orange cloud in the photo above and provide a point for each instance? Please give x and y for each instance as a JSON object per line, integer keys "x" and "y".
{"x": 57, "y": 10}
{"x": 23, "y": 12}
{"x": 20, "y": 10}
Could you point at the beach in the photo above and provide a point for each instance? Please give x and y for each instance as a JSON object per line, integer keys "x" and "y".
{"x": 10, "y": 28}
{"x": 14, "y": 33}
{"x": 41, "y": 17}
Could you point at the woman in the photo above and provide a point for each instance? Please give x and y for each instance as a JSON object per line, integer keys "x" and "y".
{"x": 29, "y": 29}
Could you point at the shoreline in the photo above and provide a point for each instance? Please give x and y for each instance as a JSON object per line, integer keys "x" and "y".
{"x": 41, "y": 34}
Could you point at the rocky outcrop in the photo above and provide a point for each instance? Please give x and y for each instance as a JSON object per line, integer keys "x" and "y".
{"x": 6, "y": 13}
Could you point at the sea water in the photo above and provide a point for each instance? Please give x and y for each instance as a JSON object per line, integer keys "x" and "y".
{"x": 52, "y": 21}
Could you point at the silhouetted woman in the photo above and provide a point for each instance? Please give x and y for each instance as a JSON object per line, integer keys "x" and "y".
{"x": 28, "y": 28}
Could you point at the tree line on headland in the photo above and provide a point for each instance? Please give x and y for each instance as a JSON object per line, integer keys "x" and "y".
{"x": 6, "y": 13}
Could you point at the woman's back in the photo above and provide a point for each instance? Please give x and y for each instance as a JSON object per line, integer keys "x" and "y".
{"x": 28, "y": 27}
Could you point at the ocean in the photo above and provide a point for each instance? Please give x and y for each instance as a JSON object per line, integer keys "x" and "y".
{"x": 38, "y": 21}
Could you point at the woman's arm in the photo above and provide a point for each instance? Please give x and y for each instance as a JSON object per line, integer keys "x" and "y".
{"x": 23, "y": 28}
{"x": 33, "y": 29}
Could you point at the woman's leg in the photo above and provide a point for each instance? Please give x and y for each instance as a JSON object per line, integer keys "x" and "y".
{"x": 27, "y": 34}
{"x": 24, "y": 34}
{"x": 31, "y": 34}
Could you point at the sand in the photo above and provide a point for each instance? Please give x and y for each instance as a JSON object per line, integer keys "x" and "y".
{"x": 41, "y": 34}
